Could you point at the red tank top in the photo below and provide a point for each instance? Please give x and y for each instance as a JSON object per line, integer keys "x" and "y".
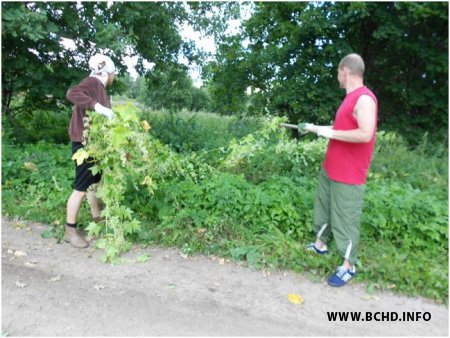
{"x": 347, "y": 162}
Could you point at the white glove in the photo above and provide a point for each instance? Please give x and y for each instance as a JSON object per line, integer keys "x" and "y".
{"x": 324, "y": 131}
{"x": 305, "y": 127}
{"x": 102, "y": 110}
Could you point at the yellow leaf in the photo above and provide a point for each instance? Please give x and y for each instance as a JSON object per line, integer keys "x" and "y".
{"x": 371, "y": 298}
{"x": 80, "y": 156}
{"x": 19, "y": 225}
{"x": 146, "y": 125}
{"x": 30, "y": 166}
{"x": 147, "y": 181}
{"x": 295, "y": 299}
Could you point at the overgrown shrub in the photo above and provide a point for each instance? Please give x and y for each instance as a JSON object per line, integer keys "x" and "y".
{"x": 252, "y": 199}
{"x": 187, "y": 131}
{"x": 40, "y": 125}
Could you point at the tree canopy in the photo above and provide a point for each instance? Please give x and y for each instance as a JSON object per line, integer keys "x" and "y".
{"x": 37, "y": 64}
{"x": 282, "y": 60}
{"x": 288, "y": 53}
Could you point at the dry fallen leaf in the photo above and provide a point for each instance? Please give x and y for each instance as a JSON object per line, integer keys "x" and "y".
{"x": 19, "y": 225}
{"x": 295, "y": 299}
{"x": 55, "y": 279}
{"x": 371, "y": 297}
{"x": 19, "y": 253}
{"x": 222, "y": 261}
{"x": 20, "y": 285}
{"x": 30, "y": 264}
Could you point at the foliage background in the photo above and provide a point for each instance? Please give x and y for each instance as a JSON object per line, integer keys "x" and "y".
{"x": 281, "y": 60}
{"x": 225, "y": 179}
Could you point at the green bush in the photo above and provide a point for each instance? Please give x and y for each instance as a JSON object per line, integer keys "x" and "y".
{"x": 252, "y": 199}
{"x": 39, "y": 174}
{"x": 40, "y": 125}
{"x": 186, "y": 131}
{"x": 425, "y": 167}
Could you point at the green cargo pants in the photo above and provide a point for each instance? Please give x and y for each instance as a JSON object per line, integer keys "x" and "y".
{"x": 337, "y": 210}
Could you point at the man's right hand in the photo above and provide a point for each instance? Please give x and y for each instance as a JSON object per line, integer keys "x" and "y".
{"x": 303, "y": 128}
{"x": 323, "y": 131}
{"x": 102, "y": 110}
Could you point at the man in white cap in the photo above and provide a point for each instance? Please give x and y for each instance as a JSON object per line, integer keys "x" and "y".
{"x": 90, "y": 94}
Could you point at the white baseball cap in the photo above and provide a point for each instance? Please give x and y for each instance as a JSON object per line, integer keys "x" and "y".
{"x": 100, "y": 63}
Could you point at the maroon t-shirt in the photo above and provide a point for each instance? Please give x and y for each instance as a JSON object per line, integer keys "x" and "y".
{"x": 84, "y": 97}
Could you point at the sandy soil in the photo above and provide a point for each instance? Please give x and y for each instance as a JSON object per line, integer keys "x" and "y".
{"x": 57, "y": 290}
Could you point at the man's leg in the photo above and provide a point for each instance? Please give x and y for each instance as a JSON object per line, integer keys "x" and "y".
{"x": 322, "y": 219}
{"x": 72, "y": 234}
{"x": 74, "y": 205}
{"x": 94, "y": 203}
{"x": 346, "y": 210}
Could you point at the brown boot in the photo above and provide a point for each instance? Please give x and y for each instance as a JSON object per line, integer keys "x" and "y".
{"x": 73, "y": 236}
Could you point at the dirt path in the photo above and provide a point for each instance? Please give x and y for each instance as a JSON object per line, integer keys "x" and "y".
{"x": 56, "y": 290}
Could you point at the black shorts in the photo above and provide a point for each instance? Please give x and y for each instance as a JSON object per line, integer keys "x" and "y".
{"x": 83, "y": 175}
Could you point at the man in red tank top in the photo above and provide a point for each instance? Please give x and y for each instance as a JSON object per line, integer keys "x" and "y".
{"x": 339, "y": 200}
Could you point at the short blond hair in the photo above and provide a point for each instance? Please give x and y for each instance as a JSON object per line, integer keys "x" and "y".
{"x": 354, "y": 63}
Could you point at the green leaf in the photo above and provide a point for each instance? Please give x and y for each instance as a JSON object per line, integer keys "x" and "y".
{"x": 119, "y": 136}
{"x": 143, "y": 258}
{"x": 370, "y": 289}
{"x": 48, "y": 233}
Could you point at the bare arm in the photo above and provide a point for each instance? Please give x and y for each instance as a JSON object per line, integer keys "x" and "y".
{"x": 365, "y": 113}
